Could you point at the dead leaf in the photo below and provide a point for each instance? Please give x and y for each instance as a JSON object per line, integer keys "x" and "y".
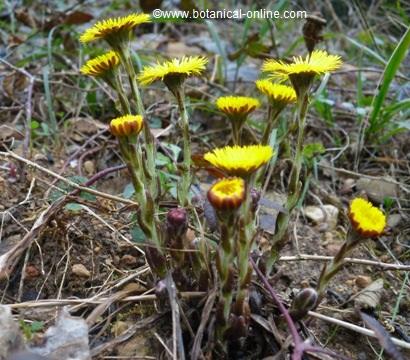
{"x": 14, "y": 83}
{"x": 78, "y": 17}
{"x": 370, "y": 296}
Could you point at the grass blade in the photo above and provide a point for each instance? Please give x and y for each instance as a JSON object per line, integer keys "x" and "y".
{"x": 390, "y": 70}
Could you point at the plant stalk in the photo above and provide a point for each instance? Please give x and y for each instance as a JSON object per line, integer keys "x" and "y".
{"x": 183, "y": 189}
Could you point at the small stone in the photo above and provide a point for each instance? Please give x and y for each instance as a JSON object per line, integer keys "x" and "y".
{"x": 363, "y": 281}
{"x": 333, "y": 249}
{"x": 304, "y": 284}
{"x": 80, "y": 270}
{"x": 89, "y": 167}
{"x": 393, "y": 220}
{"x": 320, "y": 214}
{"x": 128, "y": 260}
{"x": 377, "y": 189}
{"x": 347, "y": 186}
{"x": 32, "y": 272}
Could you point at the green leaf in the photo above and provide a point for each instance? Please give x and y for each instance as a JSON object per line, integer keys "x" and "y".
{"x": 312, "y": 150}
{"x": 137, "y": 234}
{"x": 73, "y": 207}
{"x": 390, "y": 70}
{"x": 129, "y": 191}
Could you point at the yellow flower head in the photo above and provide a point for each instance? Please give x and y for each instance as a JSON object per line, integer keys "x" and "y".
{"x": 227, "y": 194}
{"x": 301, "y": 72}
{"x": 239, "y": 160}
{"x": 101, "y": 65}
{"x": 235, "y": 106}
{"x": 115, "y": 30}
{"x": 276, "y": 93}
{"x": 318, "y": 63}
{"x": 173, "y": 72}
{"x": 126, "y": 125}
{"x": 366, "y": 219}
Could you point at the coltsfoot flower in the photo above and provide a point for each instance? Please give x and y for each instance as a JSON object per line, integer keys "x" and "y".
{"x": 368, "y": 220}
{"x": 227, "y": 194}
{"x": 115, "y": 30}
{"x": 237, "y": 106}
{"x": 126, "y": 125}
{"x": 239, "y": 160}
{"x": 173, "y": 72}
{"x": 277, "y": 94}
{"x": 302, "y": 71}
{"x": 102, "y": 65}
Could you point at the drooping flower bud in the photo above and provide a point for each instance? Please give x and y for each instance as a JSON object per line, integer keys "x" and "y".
{"x": 177, "y": 222}
{"x": 303, "y": 302}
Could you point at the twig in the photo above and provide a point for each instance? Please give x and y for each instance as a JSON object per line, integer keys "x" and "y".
{"x": 356, "y": 328}
{"x": 94, "y": 301}
{"x": 384, "y": 266}
{"x": 358, "y": 175}
{"x": 69, "y": 182}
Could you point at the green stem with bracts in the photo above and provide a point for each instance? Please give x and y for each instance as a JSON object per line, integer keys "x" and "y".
{"x": 184, "y": 186}
{"x": 146, "y": 212}
{"x": 225, "y": 265}
{"x": 273, "y": 115}
{"x": 247, "y": 230}
{"x": 295, "y": 185}
{"x": 150, "y": 149}
{"x": 330, "y": 270}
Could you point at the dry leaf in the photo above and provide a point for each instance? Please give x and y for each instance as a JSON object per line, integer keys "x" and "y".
{"x": 370, "y": 296}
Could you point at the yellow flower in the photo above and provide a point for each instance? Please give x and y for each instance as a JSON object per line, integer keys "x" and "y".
{"x": 114, "y": 30}
{"x": 227, "y": 194}
{"x": 301, "y": 72}
{"x": 101, "y": 65}
{"x": 366, "y": 219}
{"x": 318, "y": 63}
{"x": 276, "y": 93}
{"x": 239, "y": 160}
{"x": 235, "y": 106}
{"x": 173, "y": 72}
{"x": 126, "y": 125}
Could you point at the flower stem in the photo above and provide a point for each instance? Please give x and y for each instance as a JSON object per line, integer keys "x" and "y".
{"x": 148, "y": 137}
{"x": 273, "y": 115}
{"x": 294, "y": 187}
{"x": 329, "y": 271}
{"x": 243, "y": 248}
{"x": 225, "y": 259}
{"x": 183, "y": 189}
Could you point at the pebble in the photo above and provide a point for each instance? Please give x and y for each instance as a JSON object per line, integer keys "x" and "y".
{"x": 32, "y": 272}
{"x": 128, "y": 260}
{"x": 323, "y": 214}
{"x": 363, "y": 281}
{"x": 80, "y": 270}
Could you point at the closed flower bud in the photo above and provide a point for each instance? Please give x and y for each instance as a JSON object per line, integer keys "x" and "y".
{"x": 177, "y": 221}
{"x": 127, "y": 125}
{"x": 227, "y": 194}
{"x": 303, "y": 302}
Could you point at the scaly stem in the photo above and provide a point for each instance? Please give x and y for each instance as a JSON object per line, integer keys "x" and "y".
{"x": 294, "y": 188}
{"x": 330, "y": 270}
{"x": 183, "y": 189}
{"x": 116, "y": 84}
{"x": 147, "y": 209}
{"x": 273, "y": 115}
{"x": 148, "y": 137}
{"x": 225, "y": 260}
{"x": 243, "y": 248}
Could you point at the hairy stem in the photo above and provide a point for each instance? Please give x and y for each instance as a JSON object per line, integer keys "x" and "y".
{"x": 183, "y": 189}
